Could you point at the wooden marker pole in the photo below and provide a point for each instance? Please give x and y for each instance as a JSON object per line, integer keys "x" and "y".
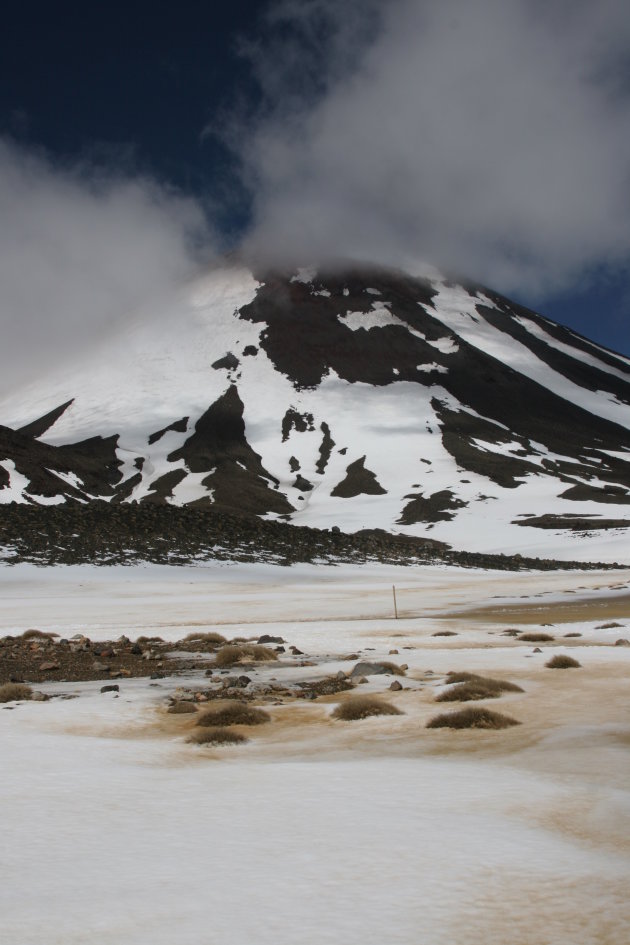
{"x": 395, "y": 606}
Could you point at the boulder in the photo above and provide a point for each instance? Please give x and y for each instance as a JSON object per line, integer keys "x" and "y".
{"x": 371, "y": 669}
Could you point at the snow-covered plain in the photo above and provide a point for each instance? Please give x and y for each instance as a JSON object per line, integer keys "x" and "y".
{"x": 316, "y": 831}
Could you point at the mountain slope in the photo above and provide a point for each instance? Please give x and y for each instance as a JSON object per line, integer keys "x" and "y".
{"x": 361, "y": 398}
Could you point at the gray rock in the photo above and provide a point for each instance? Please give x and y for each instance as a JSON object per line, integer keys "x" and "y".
{"x": 622, "y": 642}
{"x": 113, "y": 688}
{"x": 48, "y": 667}
{"x": 99, "y": 667}
{"x": 370, "y": 669}
{"x": 395, "y": 686}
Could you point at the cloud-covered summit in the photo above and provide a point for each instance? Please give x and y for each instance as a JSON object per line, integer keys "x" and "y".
{"x": 488, "y": 136}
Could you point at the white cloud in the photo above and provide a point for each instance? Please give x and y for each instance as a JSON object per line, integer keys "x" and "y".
{"x": 490, "y": 136}
{"x": 78, "y": 250}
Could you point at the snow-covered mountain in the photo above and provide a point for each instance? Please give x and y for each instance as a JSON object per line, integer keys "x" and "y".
{"x": 358, "y": 398}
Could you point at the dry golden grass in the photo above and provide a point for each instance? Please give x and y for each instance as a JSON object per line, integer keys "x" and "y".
{"x": 363, "y": 707}
{"x": 473, "y": 717}
{"x": 536, "y": 637}
{"x": 215, "y": 736}
{"x": 243, "y": 652}
{"x": 182, "y": 708}
{"x": 214, "y": 639}
{"x": 562, "y": 662}
{"x": 235, "y": 714}
{"x": 149, "y": 640}
{"x": 14, "y": 692}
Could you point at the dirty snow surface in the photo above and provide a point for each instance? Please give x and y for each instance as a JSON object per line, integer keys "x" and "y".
{"x": 116, "y": 830}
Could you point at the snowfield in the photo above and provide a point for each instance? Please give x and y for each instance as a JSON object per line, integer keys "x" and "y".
{"x": 117, "y": 831}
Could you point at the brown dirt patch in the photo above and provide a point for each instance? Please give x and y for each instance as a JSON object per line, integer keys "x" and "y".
{"x": 591, "y": 608}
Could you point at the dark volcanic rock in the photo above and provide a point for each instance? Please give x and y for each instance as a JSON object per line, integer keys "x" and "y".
{"x": 230, "y": 362}
{"x": 235, "y": 472}
{"x": 438, "y": 507}
{"x": 92, "y": 461}
{"x": 325, "y": 449}
{"x": 38, "y": 427}
{"x": 358, "y": 481}
{"x": 179, "y": 426}
{"x": 575, "y": 523}
{"x": 294, "y": 420}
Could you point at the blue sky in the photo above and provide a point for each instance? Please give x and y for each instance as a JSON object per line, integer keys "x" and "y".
{"x": 469, "y": 136}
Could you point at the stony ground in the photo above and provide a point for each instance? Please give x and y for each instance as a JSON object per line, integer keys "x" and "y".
{"x": 100, "y": 533}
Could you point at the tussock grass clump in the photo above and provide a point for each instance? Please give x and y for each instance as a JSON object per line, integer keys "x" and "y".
{"x": 182, "y": 708}
{"x": 536, "y": 637}
{"x": 215, "y": 736}
{"x": 389, "y": 667}
{"x": 13, "y": 692}
{"x": 494, "y": 687}
{"x": 37, "y": 635}
{"x": 473, "y": 717}
{"x": 236, "y": 714}
{"x": 149, "y": 640}
{"x": 573, "y": 634}
{"x": 243, "y": 652}
{"x": 363, "y": 707}
{"x": 560, "y": 661}
{"x": 609, "y": 626}
{"x": 467, "y": 692}
{"x": 444, "y": 633}
{"x": 214, "y": 639}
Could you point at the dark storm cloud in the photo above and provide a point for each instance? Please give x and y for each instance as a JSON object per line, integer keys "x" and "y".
{"x": 488, "y": 135}
{"x": 80, "y": 249}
